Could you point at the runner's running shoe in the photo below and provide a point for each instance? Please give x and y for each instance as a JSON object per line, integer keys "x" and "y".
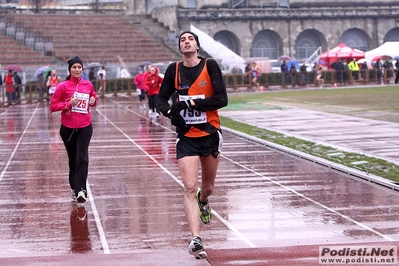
{"x": 81, "y": 198}
{"x": 205, "y": 209}
{"x": 196, "y": 248}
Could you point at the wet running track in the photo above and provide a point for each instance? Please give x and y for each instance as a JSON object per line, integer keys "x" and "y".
{"x": 270, "y": 208}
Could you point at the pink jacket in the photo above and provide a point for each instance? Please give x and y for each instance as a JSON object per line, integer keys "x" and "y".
{"x": 140, "y": 82}
{"x": 60, "y": 102}
{"x": 153, "y": 81}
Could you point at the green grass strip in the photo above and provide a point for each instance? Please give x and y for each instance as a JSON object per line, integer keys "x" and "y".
{"x": 376, "y": 166}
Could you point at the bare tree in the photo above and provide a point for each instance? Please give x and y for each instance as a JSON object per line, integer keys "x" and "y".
{"x": 37, "y": 4}
{"x": 96, "y": 5}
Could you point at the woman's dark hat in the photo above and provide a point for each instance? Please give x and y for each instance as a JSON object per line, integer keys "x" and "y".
{"x": 74, "y": 61}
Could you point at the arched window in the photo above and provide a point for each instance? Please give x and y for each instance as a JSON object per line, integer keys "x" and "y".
{"x": 355, "y": 38}
{"x": 266, "y": 43}
{"x": 306, "y": 44}
{"x": 392, "y": 35}
{"x": 229, "y": 39}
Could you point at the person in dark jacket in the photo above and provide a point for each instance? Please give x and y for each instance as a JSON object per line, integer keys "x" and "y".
{"x": 17, "y": 87}
{"x": 92, "y": 77}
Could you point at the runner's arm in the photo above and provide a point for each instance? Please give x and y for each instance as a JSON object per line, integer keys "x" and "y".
{"x": 167, "y": 89}
{"x": 219, "y": 98}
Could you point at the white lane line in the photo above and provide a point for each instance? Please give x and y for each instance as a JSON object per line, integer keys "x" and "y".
{"x": 286, "y": 188}
{"x": 18, "y": 143}
{"x": 311, "y": 200}
{"x": 225, "y": 222}
{"x": 100, "y": 229}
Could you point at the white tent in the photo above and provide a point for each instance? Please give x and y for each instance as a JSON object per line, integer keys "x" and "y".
{"x": 218, "y": 50}
{"x": 388, "y": 48}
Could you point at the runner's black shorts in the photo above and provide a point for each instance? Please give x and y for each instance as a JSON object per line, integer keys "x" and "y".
{"x": 203, "y": 146}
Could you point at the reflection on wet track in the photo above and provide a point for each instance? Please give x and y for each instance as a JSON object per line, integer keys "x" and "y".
{"x": 263, "y": 198}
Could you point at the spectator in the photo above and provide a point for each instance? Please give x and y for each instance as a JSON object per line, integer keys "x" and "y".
{"x": 388, "y": 68}
{"x": 303, "y": 71}
{"x": 293, "y": 75}
{"x": 346, "y": 71}
{"x": 354, "y": 67}
{"x": 378, "y": 67}
{"x": 10, "y": 90}
{"x": 102, "y": 75}
{"x": 17, "y": 87}
{"x": 339, "y": 71}
{"x": 92, "y": 77}
{"x": 284, "y": 70}
{"x": 363, "y": 70}
{"x": 248, "y": 73}
{"x": 397, "y": 71}
{"x": 236, "y": 70}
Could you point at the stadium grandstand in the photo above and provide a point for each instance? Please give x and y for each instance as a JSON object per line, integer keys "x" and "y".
{"x": 39, "y": 33}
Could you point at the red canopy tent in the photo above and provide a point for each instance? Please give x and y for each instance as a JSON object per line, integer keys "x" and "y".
{"x": 341, "y": 51}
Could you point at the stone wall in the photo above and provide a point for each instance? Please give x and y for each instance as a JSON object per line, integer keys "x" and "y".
{"x": 329, "y": 23}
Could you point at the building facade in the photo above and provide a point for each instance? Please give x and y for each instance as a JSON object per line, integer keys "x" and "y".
{"x": 270, "y": 28}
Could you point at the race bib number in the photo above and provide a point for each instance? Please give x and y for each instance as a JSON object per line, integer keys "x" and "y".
{"x": 83, "y": 103}
{"x": 192, "y": 116}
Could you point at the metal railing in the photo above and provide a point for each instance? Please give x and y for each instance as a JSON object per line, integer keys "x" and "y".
{"x": 32, "y": 92}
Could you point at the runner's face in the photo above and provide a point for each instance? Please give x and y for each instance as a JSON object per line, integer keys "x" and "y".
{"x": 76, "y": 70}
{"x": 188, "y": 44}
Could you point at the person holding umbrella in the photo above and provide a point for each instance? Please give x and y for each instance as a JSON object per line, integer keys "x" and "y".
{"x": 9, "y": 83}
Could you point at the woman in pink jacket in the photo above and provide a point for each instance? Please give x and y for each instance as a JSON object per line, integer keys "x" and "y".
{"x": 73, "y": 97}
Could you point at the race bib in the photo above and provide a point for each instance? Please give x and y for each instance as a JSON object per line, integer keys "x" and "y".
{"x": 192, "y": 116}
{"x": 83, "y": 103}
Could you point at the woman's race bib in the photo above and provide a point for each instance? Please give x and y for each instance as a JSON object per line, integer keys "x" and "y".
{"x": 190, "y": 115}
{"x": 83, "y": 103}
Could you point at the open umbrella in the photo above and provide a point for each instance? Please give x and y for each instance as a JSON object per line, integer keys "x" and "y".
{"x": 40, "y": 71}
{"x": 16, "y": 68}
{"x": 292, "y": 62}
{"x": 386, "y": 57}
{"x": 321, "y": 62}
{"x": 284, "y": 58}
{"x": 144, "y": 63}
{"x": 94, "y": 65}
{"x": 46, "y": 73}
{"x": 382, "y": 57}
{"x": 396, "y": 57}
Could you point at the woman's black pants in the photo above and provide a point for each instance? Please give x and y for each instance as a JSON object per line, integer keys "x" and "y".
{"x": 76, "y": 142}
